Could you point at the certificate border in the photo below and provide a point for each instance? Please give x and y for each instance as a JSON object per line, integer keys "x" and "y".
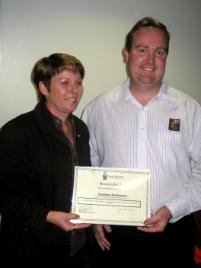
{"x": 111, "y": 222}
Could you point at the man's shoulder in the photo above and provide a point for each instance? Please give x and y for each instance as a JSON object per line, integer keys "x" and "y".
{"x": 106, "y": 97}
{"x": 181, "y": 97}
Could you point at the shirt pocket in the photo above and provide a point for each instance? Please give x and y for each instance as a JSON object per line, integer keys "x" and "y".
{"x": 171, "y": 143}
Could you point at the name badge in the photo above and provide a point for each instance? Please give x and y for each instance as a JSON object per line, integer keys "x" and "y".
{"x": 174, "y": 124}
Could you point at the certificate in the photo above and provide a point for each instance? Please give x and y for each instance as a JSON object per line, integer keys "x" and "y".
{"x": 111, "y": 195}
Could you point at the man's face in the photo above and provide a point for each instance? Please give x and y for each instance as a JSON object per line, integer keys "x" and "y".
{"x": 147, "y": 58}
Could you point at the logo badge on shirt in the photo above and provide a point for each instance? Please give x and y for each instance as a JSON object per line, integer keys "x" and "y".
{"x": 174, "y": 124}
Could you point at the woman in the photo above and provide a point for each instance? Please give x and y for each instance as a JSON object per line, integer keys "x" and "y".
{"x": 38, "y": 152}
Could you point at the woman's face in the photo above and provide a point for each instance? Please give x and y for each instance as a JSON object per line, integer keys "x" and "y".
{"x": 64, "y": 93}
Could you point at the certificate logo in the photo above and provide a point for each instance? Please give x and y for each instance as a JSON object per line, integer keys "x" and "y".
{"x": 174, "y": 124}
{"x": 104, "y": 176}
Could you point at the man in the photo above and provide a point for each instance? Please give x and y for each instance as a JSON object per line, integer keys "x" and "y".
{"x": 145, "y": 123}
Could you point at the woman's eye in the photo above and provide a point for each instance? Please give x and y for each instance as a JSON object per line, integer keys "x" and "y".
{"x": 65, "y": 82}
{"x": 141, "y": 50}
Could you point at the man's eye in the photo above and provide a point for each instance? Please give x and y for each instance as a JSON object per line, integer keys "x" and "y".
{"x": 161, "y": 52}
{"x": 78, "y": 83}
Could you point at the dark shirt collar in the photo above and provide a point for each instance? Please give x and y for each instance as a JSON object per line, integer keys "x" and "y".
{"x": 47, "y": 121}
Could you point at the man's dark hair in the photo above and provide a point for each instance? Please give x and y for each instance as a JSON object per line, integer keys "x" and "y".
{"x": 146, "y": 22}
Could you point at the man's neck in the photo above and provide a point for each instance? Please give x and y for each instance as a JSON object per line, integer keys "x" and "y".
{"x": 144, "y": 94}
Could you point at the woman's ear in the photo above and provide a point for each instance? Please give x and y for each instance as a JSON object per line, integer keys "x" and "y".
{"x": 43, "y": 89}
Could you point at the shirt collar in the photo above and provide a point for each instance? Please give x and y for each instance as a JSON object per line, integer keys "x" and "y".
{"x": 126, "y": 94}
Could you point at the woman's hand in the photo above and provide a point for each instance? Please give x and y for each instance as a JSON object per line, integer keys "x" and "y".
{"x": 63, "y": 220}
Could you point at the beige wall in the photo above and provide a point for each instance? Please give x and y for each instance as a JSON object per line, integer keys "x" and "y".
{"x": 94, "y": 31}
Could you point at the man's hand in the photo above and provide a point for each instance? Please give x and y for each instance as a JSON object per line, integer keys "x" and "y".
{"x": 157, "y": 222}
{"x": 100, "y": 236}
